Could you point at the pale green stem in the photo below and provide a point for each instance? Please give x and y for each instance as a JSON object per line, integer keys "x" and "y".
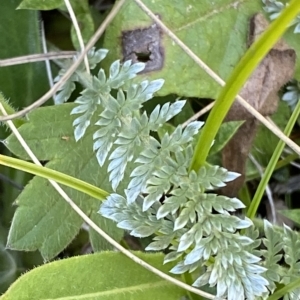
{"x": 59, "y": 177}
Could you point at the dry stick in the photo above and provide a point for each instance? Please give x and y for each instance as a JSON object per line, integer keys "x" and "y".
{"x": 95, "y": 226}
{"x": 35, "y": 58}
{"x": 198, "y": 114}
{"x": 218, "y": 79}
{"x": 47, "y": 61}
{"x": 78, "y": 33}
{"x": 71, "y": 70}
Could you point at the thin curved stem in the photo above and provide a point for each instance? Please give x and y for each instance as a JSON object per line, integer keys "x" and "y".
{"x": 78, "y": 33}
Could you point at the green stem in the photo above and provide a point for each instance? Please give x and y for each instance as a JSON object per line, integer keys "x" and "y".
{"x": 238, "y": 77}
{"x": 272, "y": 164}
{"x": 286, "y": 161}
{"x": 59, "y": 177}
{"x": 285, "y": 290}
{"x": 280, "y": 164}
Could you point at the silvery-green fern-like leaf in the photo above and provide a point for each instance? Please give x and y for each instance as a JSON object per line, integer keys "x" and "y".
{"x": 149, "y": 159}
{"x": 274, "y": 243}
{"x": 131, "y": 217}
{"x": 164, "y": 197}
{"x": 291, "y": 247}
{"x": 292, "y": 94}
{"x": 117, "y": 120}
{"x": 172, "y": 256}
{"x": 96, "y": 56}
{"x": 160, "y": 243}
{"x": 161, "y": 115}
{"x": 181, "y": 268}
{"x": 98, "y": 92}
{"x": 172, "y": 203}
{"x": 154, "y": 157}
{"x": 88, "y": 104}
{"x": 118, "y": 73}
{"x": 130, "y": 141}
{"x": 236, "y": 274}
{"x": 273, "y": 7}
{"x": 211, "y": 177}
{"x": 66, "y": 89}
{"x": 110, "y": 127}
{"x": 142, "y": 92}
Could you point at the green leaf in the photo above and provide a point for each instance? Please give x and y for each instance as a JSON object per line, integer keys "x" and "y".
{"x": 106, "y": 275}
{"x": 225, "y": 133}
{"x": 186, "y": 112}
{"x": 40, "y": 5}
{"x": 98, "y": 242}
{"x": 8, "y": 269}
{"x": 48, "y": 133}
{"x": 85, "y": 21}
{"x": 8, "y": 266}
{"x": 20, "y": 84}
{"x": 265, "y": 142}
{"x": 43, "y": 220}
{"x": 20, "y": 35}
{"x": 215, "y": 30}
{"x": 292, "y": 214}
{"x": 165, "y": 128}
{"x": 10, "y": 110}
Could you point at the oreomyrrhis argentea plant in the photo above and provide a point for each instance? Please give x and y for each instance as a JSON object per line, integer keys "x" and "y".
{"x": 163, "y": 197}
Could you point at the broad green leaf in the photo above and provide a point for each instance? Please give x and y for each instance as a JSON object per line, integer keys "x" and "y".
{"x": 13, "y": 264}
{"x": 43, "y": 220}
{"x": 40, "y": 5}
{"x": 20, "y": 35}
{"x": 99, "y": 243}
{"x": 20, "y": 85}
{"x": 215, "y": 30}
{"x": 106, "y": 275}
